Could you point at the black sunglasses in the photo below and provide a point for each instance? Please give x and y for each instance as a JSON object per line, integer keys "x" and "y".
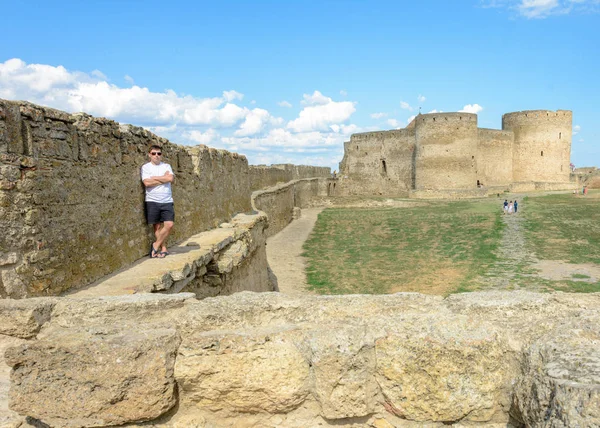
{"x": 156, "y": 153}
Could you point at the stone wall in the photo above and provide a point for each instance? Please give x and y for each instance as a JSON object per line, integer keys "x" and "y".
{"x": 262, "y": 176}
{"x": 494, "y": 157}
{"x": 446, "y": 150}
{"x": 378, "y": 163}
{"x": 265, "y": 359}
{"x": 278, "y": 202}
{"x": 542, "y": 146}
{"x": 589, "y": 176}
{"x": 71, "y": 198}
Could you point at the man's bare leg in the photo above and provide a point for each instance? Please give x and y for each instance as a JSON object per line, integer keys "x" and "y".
{"x": 162, "y": 233}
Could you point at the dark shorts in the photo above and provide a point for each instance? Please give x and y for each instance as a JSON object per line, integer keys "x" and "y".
{"x": 159, "y": 213}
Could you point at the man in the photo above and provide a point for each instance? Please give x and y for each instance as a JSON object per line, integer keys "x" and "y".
{"x": 157, "y": 176}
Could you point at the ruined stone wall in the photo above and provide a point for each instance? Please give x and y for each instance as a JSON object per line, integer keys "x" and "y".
{"x": 278, "y": 202}
{"x": 262, "y": 176}
{"x": 589, "y": 176}
{"x": 489, "y": 359}
{"x": 71, "y": 198}
{"x": 446, "y": 151}
{"x": 542, "y": 145}
{"x": 378, "y": 163}
{"x": 495, "y": 157}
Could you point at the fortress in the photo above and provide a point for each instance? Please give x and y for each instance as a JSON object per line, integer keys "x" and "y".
{"x": 446, "y": 154}
{"x": 177, "y": 345}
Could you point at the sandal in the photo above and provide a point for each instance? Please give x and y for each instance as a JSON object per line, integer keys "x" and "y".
{"x": 163, "y": 254}
{"x": 153, "y": 253}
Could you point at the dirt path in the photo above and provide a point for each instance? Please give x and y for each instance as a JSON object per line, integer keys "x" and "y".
{"x": 512, "y": 254}
{"x": 284, "y": 253}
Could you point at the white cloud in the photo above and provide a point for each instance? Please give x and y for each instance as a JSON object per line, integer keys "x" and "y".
{"x": 394, "y": 123}
{"x": 406, "y": 106}
{"x": 540, "y": 9}
{"x": 254, "y": 123}
{"x": 317, "y": 98}
{"x": 378, "y": 115}
{"x": 343, "y": 93}
{"x": 421, "y": 98}
{"x": 410, "y": 119}
{"x": 99, "y": 75}
{"x": 435, "y": 111}
{"x": 232, "y": 95}
{"x": 321, "y": 112}
{"x": 576, "y": 129}
{"x": 202, "y": 137}
{"x": 284, "y": 104}
{"x": 317, "y": 133}
{"x": 472, "y": 108}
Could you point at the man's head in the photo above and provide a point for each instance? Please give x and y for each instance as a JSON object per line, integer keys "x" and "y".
{"x": 155, "y": 154}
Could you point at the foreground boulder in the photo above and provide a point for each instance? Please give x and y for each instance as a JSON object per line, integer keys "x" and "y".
{"x": 95, "y": 377}
{"x": 269, "y": 360}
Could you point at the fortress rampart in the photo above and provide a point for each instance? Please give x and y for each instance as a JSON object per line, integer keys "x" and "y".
{"x": 262, "y": 176}
{"x": 495, "y": 157}
{"x": 71, "y": 198}
{"x": 446, "y": 147}
{"x": 379, "y": 162}
{"x": 447, "y": 152}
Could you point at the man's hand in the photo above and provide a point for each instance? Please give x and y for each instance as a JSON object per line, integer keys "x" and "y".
{"x": 168, "y": 176}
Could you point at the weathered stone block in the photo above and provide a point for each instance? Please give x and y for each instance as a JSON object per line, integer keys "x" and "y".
{"x": 444, "y": 370}
{"x": 246, "y": 372}
{"x": 343, "y": 364}
{"x": 560, "y": 381}
{"x": 24, "y": 318}
{"x": 95, "y": 377}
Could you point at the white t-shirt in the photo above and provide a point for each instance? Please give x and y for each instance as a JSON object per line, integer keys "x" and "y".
{"x": 162, "y": 192}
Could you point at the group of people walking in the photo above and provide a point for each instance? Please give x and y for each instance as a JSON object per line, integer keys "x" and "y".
{"x": 510, "y": 207}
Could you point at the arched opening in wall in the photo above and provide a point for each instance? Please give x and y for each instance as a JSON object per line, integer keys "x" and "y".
{"x": 383, "y": 167}
{"x": 542, "y": 154}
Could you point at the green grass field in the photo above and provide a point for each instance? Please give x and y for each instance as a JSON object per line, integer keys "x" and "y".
{"x": 445, "y": 247}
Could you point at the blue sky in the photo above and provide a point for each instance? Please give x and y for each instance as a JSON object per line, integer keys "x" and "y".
{"x": 290, "y": 81}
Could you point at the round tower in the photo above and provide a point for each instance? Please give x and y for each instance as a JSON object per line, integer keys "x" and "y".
{"x": 446, "y": 146}
{"x": 542, "y": 145}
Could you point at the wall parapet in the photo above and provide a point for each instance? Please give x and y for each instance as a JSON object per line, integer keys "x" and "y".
{"x": 72, "y": 202}
{"x": 267, "y": 359}
{"x": 278, "y": 202}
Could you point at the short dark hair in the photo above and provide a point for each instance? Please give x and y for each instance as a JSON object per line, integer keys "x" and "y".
{"x": 154, "y": 147}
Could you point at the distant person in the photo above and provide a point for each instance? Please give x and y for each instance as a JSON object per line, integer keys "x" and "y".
{"x": 157, "y": 176}
{"x": 516, "y": 206}
{"x": 510, "y": 207}
{"x": 584, "y": 190}
{"x": 334, "y": 174}
{"x": 505, "y": 206}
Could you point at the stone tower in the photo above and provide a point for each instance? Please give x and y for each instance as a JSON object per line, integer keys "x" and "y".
{"x": 542, "y": 144}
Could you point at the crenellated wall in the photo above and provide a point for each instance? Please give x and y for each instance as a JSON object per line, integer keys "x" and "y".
{"x": 71, "y": 198}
